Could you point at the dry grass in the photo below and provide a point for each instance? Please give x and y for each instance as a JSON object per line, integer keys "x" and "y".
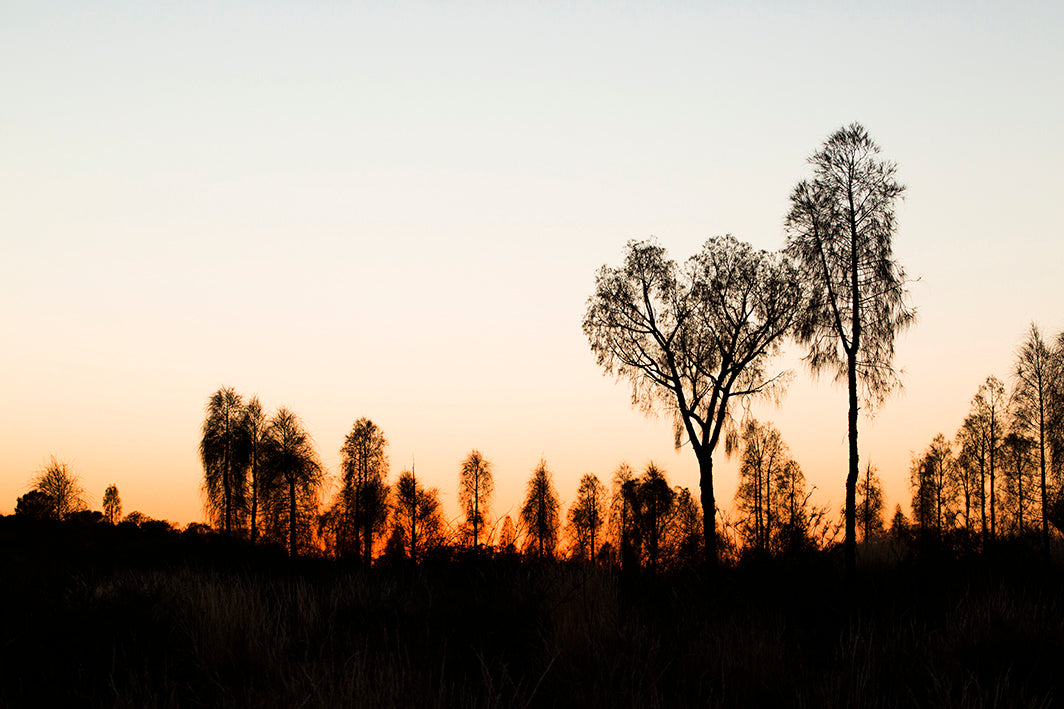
{"x": 203, "y": 628}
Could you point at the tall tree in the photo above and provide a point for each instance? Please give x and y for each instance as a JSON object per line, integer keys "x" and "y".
{"x": 364, "y": 466}
{"x": 475, "y": 487}
{"x": 870, "y": 504}
{"x": 112, "y": 504}
{"x": 540, "y": 513}
{"x": 292, "y": 464}
{"x": 62, "y": 488}
{"x": 586, "y": 517}
{"x": 224, "y": 470}
{"x": 840, "y": 230}
{"x": 252, "y": 439}
{"x": 694, "y": 339}
{"x": 1035, "y": 378}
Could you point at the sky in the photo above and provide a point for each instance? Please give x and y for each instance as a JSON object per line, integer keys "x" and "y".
{"x": 397, "y": 211}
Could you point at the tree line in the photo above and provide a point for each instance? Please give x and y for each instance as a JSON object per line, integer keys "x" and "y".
{"x": 1001, "y": 473}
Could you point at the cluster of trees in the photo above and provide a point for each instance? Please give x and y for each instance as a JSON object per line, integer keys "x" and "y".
{"x": 56, "y": 493}
{"x": 698, "y": 339}
{"x": 263, "y": 481}
{"x": 1001, "y": 473}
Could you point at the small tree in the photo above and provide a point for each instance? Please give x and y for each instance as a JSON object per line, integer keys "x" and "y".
{"x": 870, "y": 504}
{"x": 112, "y": 504}
{"x": 224, "y": 468}
{"x": 930, "y": 482}
{"x": 586, "y": 517}
{"x": 1020, "y": 486}
{"x": 475, "y": 487}
{"x": 59, "y": 484}
{"x": 35, "y": 504}
{"x": 252, "y": 442}
{"x": 292, "y": 464}
{"x": 416, "y": 521}
{"x": 540, "y": 513}
{"x": 364, "y": 466}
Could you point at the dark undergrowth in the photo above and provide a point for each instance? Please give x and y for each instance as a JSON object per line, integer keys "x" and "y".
{"x": 111, "y": 617}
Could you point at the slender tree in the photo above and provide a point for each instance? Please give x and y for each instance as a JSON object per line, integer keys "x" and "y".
{"x": 621, "y": 514}
{"x": 225, "y": 472}
{"x": 840, "y": 230}
{"x": 253, "y": 430}
{"x": 292, "y": 463}
{"x": 112, "y": 504}
{"x": 1035, "y": 377}
{"x": 476, "y": 485}
{"x": 930, "y": 482}
{"x": 694, "y": 339}
{"x": 968, "y": 473}
{"x": 364, "y": 466}
{"x": 989, "y": 410}
{"x": 586, "y": 517}
{"x": 761, "y": 483}
{"x": 62, "y": 488}
{"x": 1019, "y": 483}
{"x": 540, "y": 513}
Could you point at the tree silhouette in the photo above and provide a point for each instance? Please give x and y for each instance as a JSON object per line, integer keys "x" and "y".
{"x": 1035, "y": 378}
{"x": 475, "y": 487}
{"x": 508, "y": 535}
{"x": 930, "y": 481}
{"x": 364, "y": 467}
{"x": 621, "y": 514}
{"x": 224, "y": 470}
{"x": 540, "y": 513}
{"x": 685, "y": 543}
{"x": 839, "y": 230}
{"x": 985, "y": 424}
{"x": 652, "y": 506}
{"x": 252, "y": 442}
{"x": 586, "y": 517}
{"x": 691, "y": 340}
{"x": 761, "y": 483}
{"x": 35, "y": 504}
{"x": 1019, "y": 481}
{"x": 968, "y": 473}
{"x": 291, "y": 464}
{"x": 112, "y": 504}
{"x": 416, "y": 521}
{"x": 870, "y": 504}
{"x": 61, "y": 486}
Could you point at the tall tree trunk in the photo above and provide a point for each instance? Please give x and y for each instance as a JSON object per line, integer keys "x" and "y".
{"x": 850, "y": 547}
{"x": 709, "y": 505}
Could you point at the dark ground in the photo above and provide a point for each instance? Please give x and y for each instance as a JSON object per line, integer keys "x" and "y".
{"x": 94, "y": 615}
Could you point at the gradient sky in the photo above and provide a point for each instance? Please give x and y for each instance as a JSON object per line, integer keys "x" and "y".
{"x": 397, "y": 211}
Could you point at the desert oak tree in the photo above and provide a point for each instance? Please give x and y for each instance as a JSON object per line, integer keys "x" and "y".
{"x": 692, "y": 339}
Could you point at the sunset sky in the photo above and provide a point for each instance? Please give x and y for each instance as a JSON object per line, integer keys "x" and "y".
{"x": 397, "y": 211}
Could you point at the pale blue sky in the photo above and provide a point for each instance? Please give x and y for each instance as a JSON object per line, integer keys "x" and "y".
{"x": 396, "y": 211}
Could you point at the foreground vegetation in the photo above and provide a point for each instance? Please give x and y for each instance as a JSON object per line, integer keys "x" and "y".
{"x": 121, "y": 616}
